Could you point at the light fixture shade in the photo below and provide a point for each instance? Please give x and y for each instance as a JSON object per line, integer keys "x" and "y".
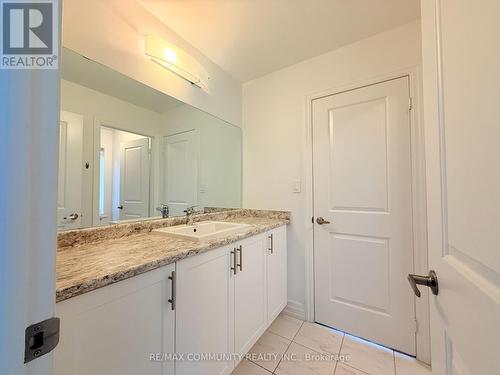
{"x": 176, "y": 60}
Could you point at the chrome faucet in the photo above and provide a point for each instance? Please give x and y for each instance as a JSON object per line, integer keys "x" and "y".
{"x": 164, "y": 210}
{"x": 189, "y": 213}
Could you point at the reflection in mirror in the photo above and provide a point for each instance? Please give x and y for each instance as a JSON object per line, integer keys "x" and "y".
{"x": 129, "y": 152}
{"x": 124, "y": 175}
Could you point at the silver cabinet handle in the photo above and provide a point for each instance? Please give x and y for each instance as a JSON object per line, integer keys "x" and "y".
{"x": 271, "y": 239}
{"x": 234, "y": 267}
{"x": 431, "y": 281}
{"x": 172, "y": 291}
{"x": 240, "y": 250}
{"x": 322, "y": 221}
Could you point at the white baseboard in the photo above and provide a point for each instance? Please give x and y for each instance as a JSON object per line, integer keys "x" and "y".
{"x": 295, "y": 309}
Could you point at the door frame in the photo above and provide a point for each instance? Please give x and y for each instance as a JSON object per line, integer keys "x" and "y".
{"x": 153, "y": 165}
{"x": 77, "y": 117}
{"x": 29, "y": 140}
{"x": 419, "y": 203}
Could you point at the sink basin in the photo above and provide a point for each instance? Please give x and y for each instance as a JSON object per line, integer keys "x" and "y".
{"x": 202, "y": 231}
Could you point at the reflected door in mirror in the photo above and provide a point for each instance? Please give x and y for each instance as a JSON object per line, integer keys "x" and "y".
{"x": 69, "y": 187}
{"x": 134, "y": 175}
{"x": 181, "y": 171}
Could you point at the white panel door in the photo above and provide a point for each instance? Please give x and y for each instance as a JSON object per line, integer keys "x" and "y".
{"x": 249, "y": 293}
{"x": 204, "y": 301}
{"x": 461, "y": 92}
{"x": 180, "y": 160}
{"x": 276, "y": 272}
{"x": 134, "y": 179}
{"x": 362, "y": 189}
{"x": 69, "y": 185}
{"x": 116, "y": 329}
{"x": 29, "y": 129}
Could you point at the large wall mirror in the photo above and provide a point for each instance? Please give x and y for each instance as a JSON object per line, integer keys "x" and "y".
{"x": 129, "y": 152}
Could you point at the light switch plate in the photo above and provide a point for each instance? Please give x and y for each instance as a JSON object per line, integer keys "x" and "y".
{"x": 296, "y": 186}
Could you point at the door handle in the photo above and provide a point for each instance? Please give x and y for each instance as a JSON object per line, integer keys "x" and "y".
{"x": 430, "y": 281}
{"x": 71, "y": 217}
{"x": 120, "y": 207}
{"x": 322, "y": 221}
{"x": 271, "y": 239}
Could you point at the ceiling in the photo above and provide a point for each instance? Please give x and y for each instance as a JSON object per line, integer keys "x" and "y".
{"x": 79, "y": 69}
{"x": 250, "y": 38}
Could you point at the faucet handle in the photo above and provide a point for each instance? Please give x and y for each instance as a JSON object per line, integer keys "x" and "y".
{"x": 164, "y": 209}
{"x": 190, "y": 209}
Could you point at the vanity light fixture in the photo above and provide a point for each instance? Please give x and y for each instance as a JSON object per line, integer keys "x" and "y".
{"x": 176, "y": 60}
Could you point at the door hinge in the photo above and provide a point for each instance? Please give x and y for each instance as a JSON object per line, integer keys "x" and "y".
{"x": 410, "y": 103}
{"x": 40, "y": 339}
{"x": 415, "y": 325}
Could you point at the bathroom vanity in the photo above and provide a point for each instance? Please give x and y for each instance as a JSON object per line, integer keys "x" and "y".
{"x": 135, "y": 301}
{"x": 138, "y": 294}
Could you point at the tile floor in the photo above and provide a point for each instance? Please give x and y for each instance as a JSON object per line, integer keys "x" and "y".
{"x": 291, "y": 346}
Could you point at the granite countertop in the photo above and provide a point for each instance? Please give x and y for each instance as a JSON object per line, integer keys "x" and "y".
{"x": 91, "y": 258}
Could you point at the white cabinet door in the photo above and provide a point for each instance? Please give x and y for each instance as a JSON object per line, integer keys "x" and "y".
{"x": 169, "y": 319}
{"x": 276, "y": 272}
{"x": 116, "y": 329}
{"x": 250, "y": 319}
{"x": 204, "y": 312}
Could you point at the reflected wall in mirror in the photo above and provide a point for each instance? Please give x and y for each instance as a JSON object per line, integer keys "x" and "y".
{"x": 129, "y": 152}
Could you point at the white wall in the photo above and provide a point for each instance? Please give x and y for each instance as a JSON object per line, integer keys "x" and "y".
{"x": 220, "y": 154}
{"x": 112, "y": 32}
{"x": 274, "y": 121}
{"x": 96, "y": 106}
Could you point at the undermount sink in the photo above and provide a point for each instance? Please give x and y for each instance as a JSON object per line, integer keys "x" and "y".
{"x": 202, "y": 231}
